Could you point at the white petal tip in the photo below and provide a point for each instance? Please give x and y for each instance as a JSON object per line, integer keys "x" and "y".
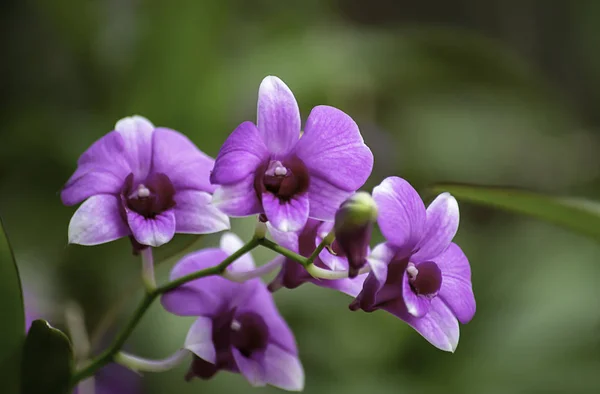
{"x": 133, "y": 123}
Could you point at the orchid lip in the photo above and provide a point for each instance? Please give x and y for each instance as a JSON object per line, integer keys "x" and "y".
{"x": 151, "y": 197}
{"x": 284, "y": 178}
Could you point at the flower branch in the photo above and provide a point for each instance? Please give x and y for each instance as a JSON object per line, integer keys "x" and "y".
{"x": 109, "y": 354}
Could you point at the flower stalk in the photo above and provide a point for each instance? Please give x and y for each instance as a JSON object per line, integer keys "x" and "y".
{"x": 141, "y": 364}
{"x": 148, "y": 269}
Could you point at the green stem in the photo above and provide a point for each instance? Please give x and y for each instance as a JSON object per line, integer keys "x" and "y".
{"x": 284, "y": 251}
{"x": 108, "y": 355}
{"x": 325, "y": 242}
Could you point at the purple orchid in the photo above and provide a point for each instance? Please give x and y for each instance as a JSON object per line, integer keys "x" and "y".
{"x": 144, "y": 182}
{"x": 238, "y": 328}
{"x": 419, "y": 275}
{"x": 293, "y": 274}
{"x": 268, "y": 168}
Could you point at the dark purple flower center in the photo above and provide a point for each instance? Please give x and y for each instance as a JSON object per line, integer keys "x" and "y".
{"x": 151, "y": 197}
{"x": 284, "y": 179}
{"x": 425, "y": 278}
{"x": 249, "y": 333}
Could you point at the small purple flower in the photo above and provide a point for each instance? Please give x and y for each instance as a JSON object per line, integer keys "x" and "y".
{"x": 238, "y": 328}
{"x": 292, "y": 274}
{"x": 419, "y": 275}
{"x": 267, "y": 168}
{"x": 141, "y": 181}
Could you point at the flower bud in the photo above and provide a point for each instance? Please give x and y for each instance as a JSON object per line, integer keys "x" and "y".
{"x": 353, "y": 225}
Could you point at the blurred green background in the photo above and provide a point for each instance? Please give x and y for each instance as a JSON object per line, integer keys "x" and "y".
{"x": 494, "y": 92}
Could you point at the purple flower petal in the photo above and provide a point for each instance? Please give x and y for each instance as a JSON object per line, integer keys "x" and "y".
{"x": 416, "y": 305}
{"x": 402, "y": 215}
{"x": 98, "y": 220}
{"x": 456, "y": 290}
{"x": 154, "y": 231}
{"x": 283, "y": 369}
{"x": 137, "y": 133}
{"x": 290, "y": 215}
{"x": 238, "y": 199}
{"x": 194, "y": 213}
{"x": 439, "y": 326}
{"x": 278, "y": 117}
{"x": 199, "y": 339}
{"x": 440, "y": 229}
{"x": 250, "y": 368}
{"x": 287, "y": 239}
{"x": 241, "y": 154}
{"x": 231, "y": 243}
{"x": 379, "y": 259}
{"x": 201, "y": 297}
{"x": 101, "y": 169}
{"x": 176, "y": 156}
{"x": 325, "y": 198}
{"x": 333, "y": 149}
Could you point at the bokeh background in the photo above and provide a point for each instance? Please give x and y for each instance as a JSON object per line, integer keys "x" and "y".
{"x": 495, "y": 92}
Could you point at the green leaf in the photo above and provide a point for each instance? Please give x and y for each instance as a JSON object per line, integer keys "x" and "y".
{"x": 47, "y": 360}
{"x": 578, "y": 215}
{"x": 13, "y": 318}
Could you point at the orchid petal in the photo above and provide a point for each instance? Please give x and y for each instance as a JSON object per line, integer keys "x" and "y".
{"x": 288, "y": 215}
{"x": 154, "y": 231}
{"x": 98, "y": 220}
{"x": 333, "y": 149}
{"x": 278, "y": 116}
{"x": 194, "y": 213}
{"x": 402, "y": 215}
{"x": 176, "y": 156}
{"x": 441, "y": 226}
{"x": 241, "y": 154}
{"x": 456, "y": 290}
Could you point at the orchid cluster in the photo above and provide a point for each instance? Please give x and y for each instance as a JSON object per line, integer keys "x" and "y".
{"x": 302, "y": 184}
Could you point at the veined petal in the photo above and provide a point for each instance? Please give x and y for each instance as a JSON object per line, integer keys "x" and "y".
{"x": 200, "y": 297}
{"x": 199, "y": 339}
{"x": 241, "y": 154}
{"x": 416, "y": 305}
{"x": 154, "y": 231}
{"x": 194, "y": 213}
{"x": 440, "y": 229}
{"x": 101, "y": 169}
{"x": 98, "y": 220}
{"x": 231, "y": 243}
{"x": 174, "y": 155}
{"x": 333, "y": 149}
{"x": 290, "y": 215}
{"x": 137, "y": 134}
{"x": 456, "y": 290}
{"x": 283, "y": 369}
{"x": 251, "y": 369}
{"x": 325, "y": 198}
{"x": 402, "y": 213}
{"x": 238, "y": 199}
{"x": 439, "y": 326}
{"x": 278, "y": 116}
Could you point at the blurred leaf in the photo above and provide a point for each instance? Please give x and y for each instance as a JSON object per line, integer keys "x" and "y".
{"x": 578, "y": 215}
{"x": 13, "y": 317}
{"x": 47, "y": 360}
